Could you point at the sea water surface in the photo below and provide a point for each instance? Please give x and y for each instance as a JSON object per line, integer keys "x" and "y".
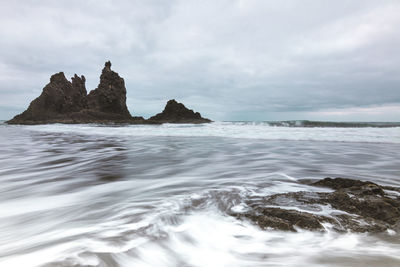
{"x": 148, "y": 195}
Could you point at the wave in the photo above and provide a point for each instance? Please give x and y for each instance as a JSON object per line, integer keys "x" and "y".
{"x": 161, "y": 195}
{"x": 246, "y": 130}
{"x": 308, "y": 123}
{"x": 330, "y": 124}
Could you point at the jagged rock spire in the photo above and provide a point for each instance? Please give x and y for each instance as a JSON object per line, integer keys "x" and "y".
{"x": 110, "y": 95}
{"x": 107, "y": 65}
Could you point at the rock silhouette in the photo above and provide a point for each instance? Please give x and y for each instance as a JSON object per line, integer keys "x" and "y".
{"x": 110, "y": 95}
{"x": 63, "y": 101}
{"x": 59, "y": 97}
{"x": 175, "y": 112}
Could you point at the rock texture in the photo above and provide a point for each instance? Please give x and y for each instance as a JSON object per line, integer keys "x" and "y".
{"x": 58, "y": 97}
{"x": 64, "y": 101}
{"x": 175, "y": 112}
{"x": 110, "y": 95}
{"x": 354, "y": 205}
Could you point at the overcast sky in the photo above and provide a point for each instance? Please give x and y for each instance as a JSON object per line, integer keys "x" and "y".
{"x": 227, "y": 59}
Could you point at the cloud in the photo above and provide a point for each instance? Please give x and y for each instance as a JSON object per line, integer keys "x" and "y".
{"x": 228, "y": 59}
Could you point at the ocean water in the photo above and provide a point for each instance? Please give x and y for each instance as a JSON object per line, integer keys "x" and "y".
{"x": 147, "y": 195}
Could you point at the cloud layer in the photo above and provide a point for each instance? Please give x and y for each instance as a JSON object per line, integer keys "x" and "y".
{"x": 230, "y": 60}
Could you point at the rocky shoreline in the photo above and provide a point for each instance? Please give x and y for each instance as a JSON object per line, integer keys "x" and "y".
{"x": 63, "y": 101}
{"x": 354, "y": 205}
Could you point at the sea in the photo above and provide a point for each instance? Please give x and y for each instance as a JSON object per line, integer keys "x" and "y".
{"x": 161, "y": 195}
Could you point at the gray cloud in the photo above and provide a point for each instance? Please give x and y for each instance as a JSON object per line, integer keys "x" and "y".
{"x": 230, "y": 60}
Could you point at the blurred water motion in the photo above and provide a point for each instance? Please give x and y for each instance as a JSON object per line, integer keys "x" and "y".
{"x": 91, "y": 195}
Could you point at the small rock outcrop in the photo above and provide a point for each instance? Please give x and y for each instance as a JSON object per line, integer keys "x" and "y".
{"x": 64, "y": 101}
{"x": 354, "y": 205}
{"x": 175, "y": 112}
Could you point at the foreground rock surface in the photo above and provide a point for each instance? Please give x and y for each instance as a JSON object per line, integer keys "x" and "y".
{"x": 64, "y": 101}
{"x": 353, "y": 205}
{"x": 175, "y": 112}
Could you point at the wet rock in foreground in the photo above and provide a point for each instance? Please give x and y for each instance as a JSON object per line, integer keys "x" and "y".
{"x": 354, "y": 205}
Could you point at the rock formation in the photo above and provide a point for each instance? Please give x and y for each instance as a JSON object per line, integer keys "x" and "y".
{"x": 58, "y": 97}
{"x": 175, "y": 112}
{"x": 64, "y": 101}
{"x": 110, "y": 95}
{"x": 355, "y": 205}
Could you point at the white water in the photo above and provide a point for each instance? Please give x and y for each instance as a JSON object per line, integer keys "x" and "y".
{"x": 87, "y": 195}
{"x": 237, "y": 130}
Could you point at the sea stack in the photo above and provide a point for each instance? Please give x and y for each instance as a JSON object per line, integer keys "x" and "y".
{"x": 59, "y": 97}
{"x": 64, "y": 101}
{"x": 175, "y": 112}
{"x": 110, "y": 95}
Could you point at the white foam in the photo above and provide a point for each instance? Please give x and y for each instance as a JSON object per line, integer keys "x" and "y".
{"x": 240, "y": 208}
{"x": 234, "y": 130}
{"x": 391, "y": 232}
{"x": 210, "y": 239}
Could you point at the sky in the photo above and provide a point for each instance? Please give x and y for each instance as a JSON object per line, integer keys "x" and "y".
{"x": 228, "y": 59}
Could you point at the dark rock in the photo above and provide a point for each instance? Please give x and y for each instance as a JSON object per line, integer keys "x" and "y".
{"x": 283, "y": 219}
{"x": 175, "y": 112}
{"x": 360, "y": 207}
{"x": 63, "y": 101}
{"x": 58, "y": 97}
{"x": 110, "y": 95}
{"x": 339, "y": 183}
